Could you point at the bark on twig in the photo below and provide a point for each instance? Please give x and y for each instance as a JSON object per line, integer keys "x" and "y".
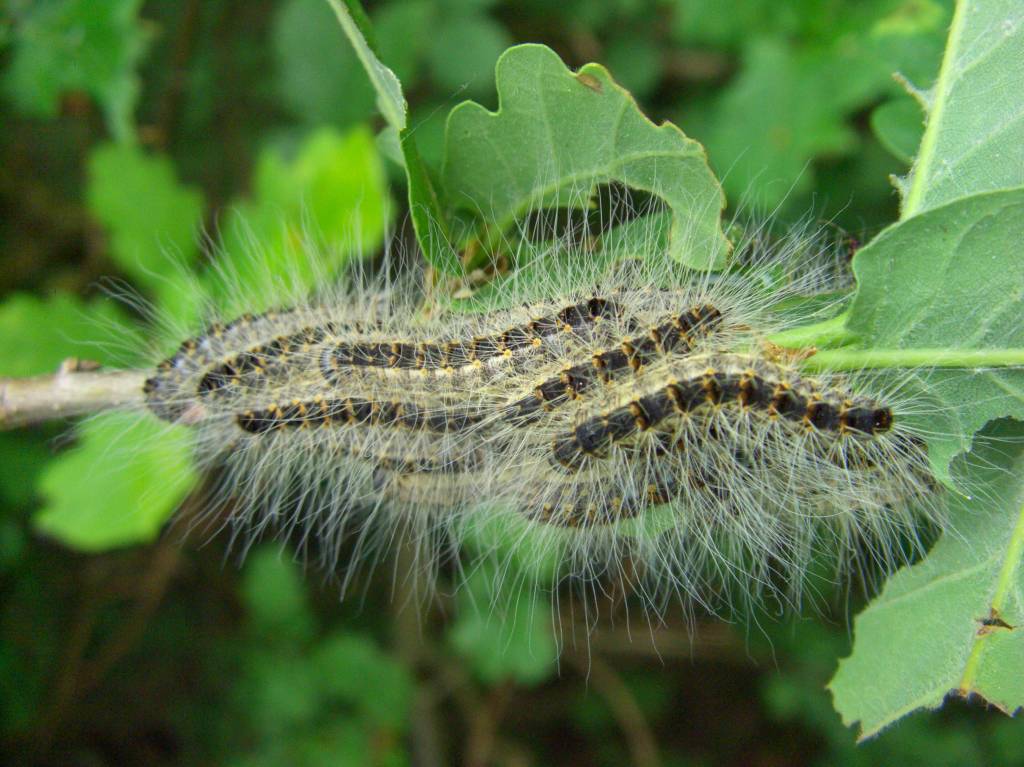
{"x": 484, "y": 724}
{"x": 78, "y": 388}
{"x": 643, "y": 748}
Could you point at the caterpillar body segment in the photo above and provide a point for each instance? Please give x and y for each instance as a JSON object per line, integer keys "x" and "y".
{"x": 243, "y": 352}
{"x": 678, "y": 335}
{"x": 335, "y": 349}
{"x": 488, "y": 349}
{"x": 720, "y": 382}
{"x": 259, "y": 365}
{"x": 165, "y": 390}
{"x": 320, "y": 413}
{"x": 586, "y": 505}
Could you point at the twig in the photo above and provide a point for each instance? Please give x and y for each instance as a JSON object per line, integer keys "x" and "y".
{"x": 149, "y": 591}
{"x": 627, "y": 712}
{"x": 483, "y": 727}
{"x": 706, "y": 642}
{"x": 411, "y": 648}
{"x": 695, "y": 65}
{"x": 78, "y": 388}
{"x": 73, "y": 658}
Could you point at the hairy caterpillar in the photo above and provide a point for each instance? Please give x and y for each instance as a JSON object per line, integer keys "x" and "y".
{"x": 621, "y": 413}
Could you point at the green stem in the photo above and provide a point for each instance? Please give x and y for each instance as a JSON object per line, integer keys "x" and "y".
{"x": 821, "y": 335}
{"x": 926, "y": 153}
{"x": 859, "y": 359}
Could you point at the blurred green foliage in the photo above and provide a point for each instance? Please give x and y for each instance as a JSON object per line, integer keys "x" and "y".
{"x": 133, "y": 195}
{"x": 129, "y": 128}
{"x": 306, "y": 695}
{"x": 327, "y": 192}
{"x": 62, "y": 325}
{"x": 503, "y": 633}
{"x": 65, "y": 47}
{"x": 808, "y": 73}
{"x": 117, "y": 486}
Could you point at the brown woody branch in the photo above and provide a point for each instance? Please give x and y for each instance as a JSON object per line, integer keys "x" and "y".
{"x": 79, "y": 387}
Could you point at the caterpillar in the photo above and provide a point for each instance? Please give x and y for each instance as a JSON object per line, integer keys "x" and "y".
{"x": 621, "y": 413}
{"x": 747, "y": 385}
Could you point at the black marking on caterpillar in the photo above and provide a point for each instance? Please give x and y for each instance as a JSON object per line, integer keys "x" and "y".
{"x": 674, "y": 336}
{"x": 163, "y": 390}
{"x": 352, "y": 411}
{"x": 456, "y": 354}
{"x": 256, "y": 363}
{"x": 776, "y": 392}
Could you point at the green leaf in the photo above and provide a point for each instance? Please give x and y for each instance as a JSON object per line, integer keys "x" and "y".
{"x": 319, "y": 77}
{"x": 974, "y": 137}
{"x": 47, "y": 331}
{"x": 910, "y": 37}
{"x": 806, "y": 74}
{"x": 390, "y": 100}
{"x": 955, "y": 622}
{"x": 948, "y": 280}
{"x": 702, "y": 22}
{"x": 856, "y": 192}
{"x": 279, "y": 695}
{"x": 335, "y": 185}
{"x": 425, "y": 205}
{"x": 502, "y": 630}
{"x": 834, "y": 25}
{"x": 78, "y": 45}
{"x": 426, "y": 209}
{"x": 117, "y": 486}
{"x": 507, "y": 537}
{"x": 152, "y": 219}
{"x": 456, "y": 7}
{"x": 558, "y": 134}
{"x": 23, "y": 454}
{"x": 898, "y": 125}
